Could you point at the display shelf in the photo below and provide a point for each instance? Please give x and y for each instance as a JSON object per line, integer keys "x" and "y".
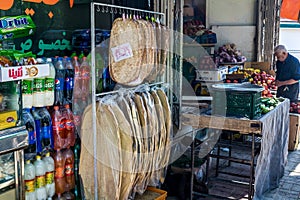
{"x": 13, "y": 139}
{"x": 198, "y": 44}
{"x": 197, "y": 98}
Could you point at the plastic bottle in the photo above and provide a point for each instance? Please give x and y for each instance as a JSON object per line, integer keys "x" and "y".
{"x": 29, "y": 177}
{"x": 40, "y": 173}
{"x": 27, "y": 93}
{"x": 70, "y": 126}
{"x": 77, "y": 79}
{"x": 59, "y": 163}
{"x": 59, "y": 82}
{"x": 69, "y": 81}
{"x": 38, "y": 129}
{"x": 46, "y": 126}
{"x": 50, "y": 185}
{"x": 50, "y": 84}
{"x": 85, "y": 77}
{"x": 77, "y": 112}
{"x": 69, "y": 169}
{"x": 28, "y": 121}
{"x": 39, "y": 89}
{"x": 58, "y": 128}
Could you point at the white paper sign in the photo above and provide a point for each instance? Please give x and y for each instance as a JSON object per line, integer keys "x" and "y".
{"x": 122, "y": 52}
{"x": 23, "y": 72}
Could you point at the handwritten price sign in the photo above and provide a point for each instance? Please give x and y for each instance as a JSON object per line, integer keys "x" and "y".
{"x": 7, "y": 4}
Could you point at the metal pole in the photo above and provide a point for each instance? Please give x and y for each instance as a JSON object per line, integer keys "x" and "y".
{"x": 94, "y": 117}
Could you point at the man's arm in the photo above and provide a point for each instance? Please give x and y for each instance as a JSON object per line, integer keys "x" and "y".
{"x": 287, "y": 82}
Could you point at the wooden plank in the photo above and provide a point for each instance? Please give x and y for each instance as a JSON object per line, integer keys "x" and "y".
{"x": 244, "y": 126}
{"x": 294, "y": 131}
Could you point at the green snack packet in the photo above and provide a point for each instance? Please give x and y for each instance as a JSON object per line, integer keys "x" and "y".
{"x": 15, "y": 27}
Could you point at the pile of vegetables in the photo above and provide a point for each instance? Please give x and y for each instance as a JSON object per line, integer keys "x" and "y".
{"x": 228, "y": 53}
{"x": 268, "y": 104}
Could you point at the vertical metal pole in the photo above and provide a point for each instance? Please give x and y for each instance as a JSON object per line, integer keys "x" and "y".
{"x": 192, "y": 165}
{"x": 93, "y": 74}
{"x": 252, "y": 167}
{"x": 19, "y": 173}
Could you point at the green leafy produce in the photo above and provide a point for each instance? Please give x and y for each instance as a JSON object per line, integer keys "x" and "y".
{"x": 269, "y": 103}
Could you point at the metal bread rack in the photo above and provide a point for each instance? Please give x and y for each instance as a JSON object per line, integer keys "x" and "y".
{"x": 113, "y": 10}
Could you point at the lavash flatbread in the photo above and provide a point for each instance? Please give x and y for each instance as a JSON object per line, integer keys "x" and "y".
{"x": 156, "y": 69}
{"x": 168, "y": 123}
{"x": 160, "y": 151}
{"x": 165, "y": 48}
{"x": 127, "y": 168}
{"x": 140, "y": 187}
{"x": 125, "y": 71}
{"x": 85, "y": 167}
{"x": 108, "y": 154}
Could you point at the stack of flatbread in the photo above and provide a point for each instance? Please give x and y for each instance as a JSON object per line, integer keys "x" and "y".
{"x": 133, "y": 144}
{"x": 138, "y": 51}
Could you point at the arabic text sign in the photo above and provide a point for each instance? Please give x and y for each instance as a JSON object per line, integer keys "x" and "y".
{"x": 7, "y": 4}
{"x": 23, "y": 72}
{"x": 57, "y": 45}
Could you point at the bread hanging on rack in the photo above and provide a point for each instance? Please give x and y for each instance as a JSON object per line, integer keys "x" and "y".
{"x": 136, "y": 51}
{"x": 133, "y": 144}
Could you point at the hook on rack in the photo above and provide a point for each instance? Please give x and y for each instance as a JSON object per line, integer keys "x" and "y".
{"x": 102, "y": 10}
{"x": 120, "y": 11}
{"x": 111, "y": 10}
{"x": 106, "y": 9}
{"x": 98, "y": 8}
{"x": 115, "y": 11}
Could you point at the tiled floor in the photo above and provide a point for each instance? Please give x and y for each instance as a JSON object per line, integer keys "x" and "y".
{"x": 289, "y": 187}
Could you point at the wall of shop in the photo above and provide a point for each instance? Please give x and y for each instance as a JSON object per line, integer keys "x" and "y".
{"x": 289, "y": 34}
{"x": 234, "y": 22}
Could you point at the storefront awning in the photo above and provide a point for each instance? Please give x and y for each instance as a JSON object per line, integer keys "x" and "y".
{"x": 290, "y": 9}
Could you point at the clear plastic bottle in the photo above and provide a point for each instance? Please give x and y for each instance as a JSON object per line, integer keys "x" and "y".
{"x": 50, "y": 84}
{"x": 85, "y": 77}
{"x": 40, "y": 175}
{"x": 38, "y": 129}
{"x": 58, "y": 128}
{"x": 70, "y": 126}
{"x": 29, "y": 177}
{"x": 39, "y": 89}
{"x": 50, "y": 184}
{"x": 59, "y": 163}
{"x": 77, "y": 112}
{"x": 77, "y": 78}
{"x": 59, "y": 82}
{"x": 69, "y": 81}
{"x": 27, "y": 93}
{"x": 46, "y": 126}
{"x": 69, "y": 169}
{"x": 28, "y": 121}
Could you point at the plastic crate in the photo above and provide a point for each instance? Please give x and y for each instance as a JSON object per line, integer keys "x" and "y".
{"x": 151, "y": 192}
{"x": 237, "y": 103}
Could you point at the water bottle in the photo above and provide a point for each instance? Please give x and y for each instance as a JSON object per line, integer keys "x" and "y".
{"x": 59, "y": 82}
{"x": 69, "y": 81}
{"x": 49, "y": 84}
{"x": 40, "y": 173}
{"x": 38, "y": 129}
{"x": 27, "y": 93}
{"x": 39, "y": 89}
{"x": 28, "y": 121}
{"x": 50, "y": 184}
{"x": 29, "y": 177}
